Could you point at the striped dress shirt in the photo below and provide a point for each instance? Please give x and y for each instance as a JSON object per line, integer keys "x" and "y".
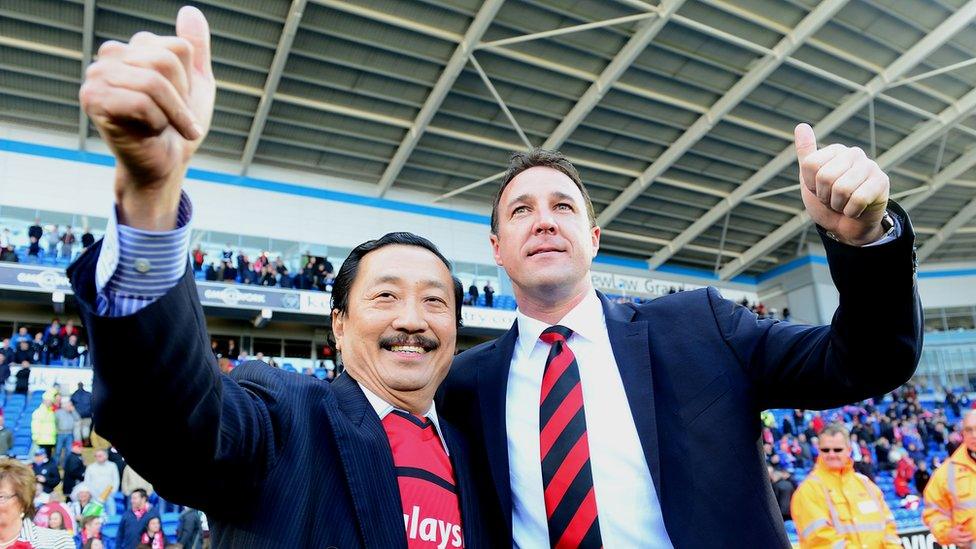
{"x": 137, "y": 267}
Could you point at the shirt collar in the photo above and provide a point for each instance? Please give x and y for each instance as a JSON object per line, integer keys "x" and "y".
{"x": 383, "y": 408}
{"x": 586, "y": 320}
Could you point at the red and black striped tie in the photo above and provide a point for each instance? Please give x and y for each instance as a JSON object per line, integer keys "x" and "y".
{"x": 566, "y": 475}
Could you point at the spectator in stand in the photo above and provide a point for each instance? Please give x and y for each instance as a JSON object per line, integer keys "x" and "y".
{"x": 102, "y": 477}
{"x": 38, "y": 348}
{"x": 56, "y": 521}
{"x": 82, "y": 401}
{"x": 46, "y": 471}
{"x": 34, "y": 234}
{"x": 489, "y": 294}
{"x": 153, "y": 537}
{"x": 68, "y": 240}
{"x": 227, "y": 255}
{"x": 473, "y": 293}
{"x": 8, "y": 254}
{"x": 244, "y": 268}
{"x": 189, "y": 531}
{"x": 7, "y": 350}
{"x": 268, "y": 276}
{"x": 321, "y": 277}
{"x": 4, "y": 370}
{"x": 951, "y": 401}
{"x": 210, "y": 273}
{"x": 66, "y": 418}
{"x": 922, "y": 476}
{"x": 25, "y": 353}
{"x": 53, "y": 341}
{"x": 53, "y": 239}
{"x": 70, "y": 356}
{"x": 198, "y": 257}
{"x": 23, "y": 379}
{"x": 44, "y": 427}
{"x": 84, "y": 504}
{"x": 5, "y": 238}
{"x": 230, "y": 273}
{"x": 87, "y": 239}
{"x": 904, "y": 475}
{"x": 74, "y": 468}
{"x": 69, "y": 329}
{"x": 232, "y": 352}
{"x": 90, "y": 529}
{"x": 783, "y": 488}
{"x": 18, "y": 486}
{"x": 6, "y": 439}
{"x": 134, "y": 520}
{"x": 23, "y": 334}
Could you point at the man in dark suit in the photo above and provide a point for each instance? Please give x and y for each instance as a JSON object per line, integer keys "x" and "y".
{"x": 638, "y": 425}
{"x": 274, "y": 459}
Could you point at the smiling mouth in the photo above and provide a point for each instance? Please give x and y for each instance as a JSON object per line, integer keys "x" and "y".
{"x": 408, "y": 349}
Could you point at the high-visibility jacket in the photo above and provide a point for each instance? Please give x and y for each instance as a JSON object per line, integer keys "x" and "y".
{"x": 44, "y": 426}
{"x": 950, "y": 496}
{"x": 842, "y": 509}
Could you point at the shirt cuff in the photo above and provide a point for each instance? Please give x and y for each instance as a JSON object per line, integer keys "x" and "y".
{"x": 136, "y": 267}
{"x": 890, "y": 236}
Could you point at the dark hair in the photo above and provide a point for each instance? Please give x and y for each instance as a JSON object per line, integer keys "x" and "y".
{"x": 141, "y": 492}
{"x": 520, "y": 161}
{"x": 347, "y": 272}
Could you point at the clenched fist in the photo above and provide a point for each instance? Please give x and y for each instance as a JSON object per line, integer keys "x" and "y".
{"x": 152, "y": 101}
{"x": 843, "y": 190}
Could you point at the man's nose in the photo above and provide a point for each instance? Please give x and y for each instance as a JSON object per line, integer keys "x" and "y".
{"x": 411, "y": 318}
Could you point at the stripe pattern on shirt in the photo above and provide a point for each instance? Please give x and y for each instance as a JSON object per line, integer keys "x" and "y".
{"x": 124, "y": 290}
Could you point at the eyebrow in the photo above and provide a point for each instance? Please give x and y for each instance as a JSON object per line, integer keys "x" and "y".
{"x": 394, "y": 279}
{"x": 528, "y": 198}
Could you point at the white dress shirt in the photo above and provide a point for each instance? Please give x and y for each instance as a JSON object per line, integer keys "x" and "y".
{"x": 629, "y": 511}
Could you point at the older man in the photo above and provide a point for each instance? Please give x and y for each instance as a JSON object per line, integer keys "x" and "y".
{"x": 838, "y": 507}
{"x": 950, "y": 495}
{"x": 361, "y": 462}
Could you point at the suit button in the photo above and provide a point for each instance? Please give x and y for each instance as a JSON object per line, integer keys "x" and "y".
{"x": 143, "y": 265}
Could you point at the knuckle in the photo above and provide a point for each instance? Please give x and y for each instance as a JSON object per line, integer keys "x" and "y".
{"x": 142, "y": 36}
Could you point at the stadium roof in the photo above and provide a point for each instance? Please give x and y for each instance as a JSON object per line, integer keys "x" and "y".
{"x": 679, "y": 114}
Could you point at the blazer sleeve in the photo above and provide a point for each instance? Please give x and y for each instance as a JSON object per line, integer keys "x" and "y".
{"x": 157, "y": 383}
{"x": 871, "y": 346}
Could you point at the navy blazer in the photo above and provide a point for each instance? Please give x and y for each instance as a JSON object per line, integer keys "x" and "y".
{"x": 697, "y": 370}
{"x": 275, "y": 459}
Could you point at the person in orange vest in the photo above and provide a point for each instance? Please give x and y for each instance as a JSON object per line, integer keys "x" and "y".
{"x": 838, "y": 507}
{"x": 950, "y": 495}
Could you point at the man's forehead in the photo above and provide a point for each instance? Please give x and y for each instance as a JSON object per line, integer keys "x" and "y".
{"x": 542, "y": 179}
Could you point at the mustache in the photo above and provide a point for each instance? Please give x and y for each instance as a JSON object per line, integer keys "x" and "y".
{"x": 425, "y": 343}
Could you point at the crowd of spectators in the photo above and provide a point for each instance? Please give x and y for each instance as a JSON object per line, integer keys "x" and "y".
{"x": 896, "y": 439}
{"x": 471, "y": 298}
{"x": 89, "y": 492}
{"x": 44, "y": 241}
{"x": 55, "y": 345}
{"x": 317, "y": 272}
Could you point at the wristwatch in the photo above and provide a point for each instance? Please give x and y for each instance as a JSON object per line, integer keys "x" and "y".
{"x": 887, "y": 224}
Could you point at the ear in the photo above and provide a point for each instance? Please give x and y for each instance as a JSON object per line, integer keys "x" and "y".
{"x": 496, "y": 249}
{"x": 338, "y": 328}
{"x": 595, "y": 238}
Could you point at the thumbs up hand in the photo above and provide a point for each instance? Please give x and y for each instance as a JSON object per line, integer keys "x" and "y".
{"x": 152, "y": 101}
{"x": 843, "y": 190}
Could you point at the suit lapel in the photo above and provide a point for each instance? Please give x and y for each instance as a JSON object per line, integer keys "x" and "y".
{"x": 629, "y": 340}
{"x": 495, "y": 362}
{"x": 368, "y": 462}
{"x": 470, "y": 520}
